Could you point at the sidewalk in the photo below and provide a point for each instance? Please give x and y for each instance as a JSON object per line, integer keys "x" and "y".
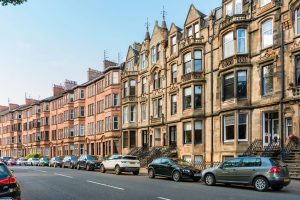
{"x": 143, "y": 171}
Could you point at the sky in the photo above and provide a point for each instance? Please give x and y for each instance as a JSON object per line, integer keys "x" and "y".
{"x": 45, "y": 42}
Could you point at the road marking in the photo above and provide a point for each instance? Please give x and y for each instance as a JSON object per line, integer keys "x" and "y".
{"x": 163, "y": 198}
{"x": 39, "y": 170}
{"x": 118, "y": 188}
{"x": 63, "y": 175}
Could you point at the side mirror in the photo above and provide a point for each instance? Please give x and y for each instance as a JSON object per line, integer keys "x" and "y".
{"x": 12, "y": 170}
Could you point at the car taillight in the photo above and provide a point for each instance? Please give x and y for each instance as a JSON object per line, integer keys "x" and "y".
{"x": 274, "y": 170}
{"x": 8, "y": 181}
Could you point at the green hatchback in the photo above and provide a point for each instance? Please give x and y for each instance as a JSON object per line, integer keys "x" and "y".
{"x": 43, "y": 161}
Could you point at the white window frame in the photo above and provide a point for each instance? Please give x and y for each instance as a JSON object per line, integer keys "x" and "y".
{"x": 297, "y": 21}
{"x": 228, "y": 40}
{"x": 240, "y": 38}
{"x": 238, "y": 7}
{"x": 229, "y": 9}
{"x": 263, "y": 31}
{"x": 224, "y": 128}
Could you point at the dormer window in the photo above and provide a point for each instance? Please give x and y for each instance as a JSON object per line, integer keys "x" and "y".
{"x": 174, "y": 44}
{"x": 158, "y": 51}
{"x": 297, "y": 21}
{"x": 130, "y": 65}
{"x": 267, "y": 34}
{"x": 238, "y": 7}
{"x": 264, "y": 2}
{"x": 190, "y": 32}
{"x": 197, "y": 30}
{"x": 143, "y": 61}
{"x": 234, "y": 8}
{"x": 153, "y": 55}
{"x": 229, "y": 10}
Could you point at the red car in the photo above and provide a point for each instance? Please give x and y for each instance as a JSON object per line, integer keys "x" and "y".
{"x": 9, "y": 187}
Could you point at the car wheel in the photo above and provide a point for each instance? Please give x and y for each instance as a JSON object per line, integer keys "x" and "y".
{"x": 55, "y": 165}
{"x": 136, "y": 173}
{"x": 151, "y": 173}
{"x": 70, "y": 167}
{"x": 102, "y": 169}
{"x": 176, "y": 176}
{"x": 210, "y": 179}
{"x": 117, "y": 170}
{"x": 88, "y": 167}
{"x": 261, "y": 184}
{"x": 63, "y": 166}
{"x": 196, "y": 179}
{"x": 78, "y": 167}
{"x": 276, "y": 188}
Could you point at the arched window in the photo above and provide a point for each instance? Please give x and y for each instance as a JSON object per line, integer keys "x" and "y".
{"x": 267, "y": 34}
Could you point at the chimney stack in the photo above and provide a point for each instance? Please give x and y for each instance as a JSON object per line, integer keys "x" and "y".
{"x": 13, "y": 106}
{"x": 70, "y": 84}
{"x": 2, "y": 108}
{"x": 58, "y": 90}
{"x": 92, "y": 74}
{"x": 108, "y": 63}
{"x": 29, "y": 101}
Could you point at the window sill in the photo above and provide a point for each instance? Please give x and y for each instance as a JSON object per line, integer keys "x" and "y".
{"x": 228, "y": 142}
{"x": 267, "y": 95}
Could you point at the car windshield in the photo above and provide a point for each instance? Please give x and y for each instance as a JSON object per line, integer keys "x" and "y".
{"x": 73, "y": 158}
{"x": 181, "y": 162}
{"x": 35, "y": 159}
{"x": 3, "y": 172}
{"x": 44, "y": 159}
{"x": 91, "y": 158}
{"x": 58, "y": 158}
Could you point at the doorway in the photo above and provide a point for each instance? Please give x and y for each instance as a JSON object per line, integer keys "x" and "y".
{"x": 270, "y": 128}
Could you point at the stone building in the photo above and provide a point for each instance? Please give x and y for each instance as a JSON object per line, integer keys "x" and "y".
{"x": 216, "y": 85}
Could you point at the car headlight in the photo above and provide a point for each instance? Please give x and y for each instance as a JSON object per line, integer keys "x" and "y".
{"x": 186, "y": 171}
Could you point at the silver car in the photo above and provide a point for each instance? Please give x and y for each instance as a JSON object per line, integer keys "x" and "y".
{"x": 32, "y": 162}
{"x": 260, "y": 172}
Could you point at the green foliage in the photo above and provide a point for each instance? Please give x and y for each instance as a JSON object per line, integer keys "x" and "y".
{"x": 13, "y": 2}
{"x": 33, "y": 155}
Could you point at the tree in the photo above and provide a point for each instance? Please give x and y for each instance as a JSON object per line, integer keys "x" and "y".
{"x": 13, "y": 2}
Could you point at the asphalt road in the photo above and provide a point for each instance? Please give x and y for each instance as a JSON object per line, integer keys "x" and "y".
{"x": 44, "y": 183}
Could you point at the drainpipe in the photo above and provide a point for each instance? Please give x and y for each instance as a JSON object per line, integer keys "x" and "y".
{"x": 282, "y": 86}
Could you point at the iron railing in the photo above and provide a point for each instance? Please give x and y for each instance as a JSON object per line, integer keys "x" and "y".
{"x": 287, "y": 150}
{"x": 254, "y": 148}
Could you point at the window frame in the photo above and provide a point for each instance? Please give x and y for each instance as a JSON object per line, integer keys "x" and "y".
{"x": 263, "y": 31}
{"x": 238, "y": 39}
{"x": 224, "y": 85}
{"x": 246, "y": 123}
{"x": 173, "y": 104}
{"x": 297, "y": 21}
{"x": 263, "y": 78}
{"x": 225, "y": 140}
{"x": 225, "y": 43}
{"x": 185, "y": 132}
{"x": 184, "y": 98}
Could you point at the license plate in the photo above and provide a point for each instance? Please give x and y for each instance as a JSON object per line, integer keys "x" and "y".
{"x": 197, "y": 174}
{"x": 286, "y": 180}
{"x": 132, "y": 163}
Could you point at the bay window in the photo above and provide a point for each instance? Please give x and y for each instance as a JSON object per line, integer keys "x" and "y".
{"x": 132, "y": 140}
{"x": 197, "y": 97}
{"x": 238, "y": 6}
{"x": 132, "y": 88}
{"x": 187, "y": 67}
{"x": 297, "y": 21}
{"x": 198, "y": 61}
{"x": 174, "y": 73}
{"x": 155, "y": 81}
{"x": 158, "y": 52}
{"x": 143, "y": 85}
{"x": 153, "y": 55}
{"x": 241, "y": 84}
{"x": 198, "y": 132}
{"x": 125, "y": 89}
{"x": 115, "y": 77}
{"x": 228, "y": 88}
{"x": 132, "y": 113}
{"x": 143, "y": 111}
{"x": 267, "y": 79}
{"x": 288, "y": 126}
{"x": 241, "y": 41}
{"x": 125, "y": 139}
{"x": 297, "y": 70}
{"x": 242, "y": 126}
{"x": 267, "y": 34}
{"x": 187, "y": 132}
{"x": 228, "y": 128}
{"x": 173, "y": 104}
{"x": 197, "y": 30}
{"x": 116, "y": 99}
{"x": 125, "y": 114}
{"x": 228, "y": 45}
{"x": 116, "y": 122}
{"x": 187, "y": 98}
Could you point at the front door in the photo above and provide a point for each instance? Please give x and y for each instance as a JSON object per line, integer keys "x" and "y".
{"x": 270, "y": 128}
{"x": 145, "y": 138}
{"x": 172, "y": 136}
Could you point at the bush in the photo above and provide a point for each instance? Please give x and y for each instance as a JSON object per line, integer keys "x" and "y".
{"x": 33, "y": 155}
{"x": 294, "y": 138}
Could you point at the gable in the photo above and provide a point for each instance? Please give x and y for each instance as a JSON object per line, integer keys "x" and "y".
{"x": 130, "y": 53}
{"x": 193, "y": 15}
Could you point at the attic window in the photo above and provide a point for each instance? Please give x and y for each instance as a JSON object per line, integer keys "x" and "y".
{"x": 130, "y": 65}
{"x": 173, "y": 44}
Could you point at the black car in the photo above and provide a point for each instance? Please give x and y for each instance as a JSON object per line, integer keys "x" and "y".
{"x": 55, "y": 162}
{"x": 176, "y": 169}
{"x": 88, "y": 162}
{"x": 69, "y": 161}
{"x": 9, "y": 187}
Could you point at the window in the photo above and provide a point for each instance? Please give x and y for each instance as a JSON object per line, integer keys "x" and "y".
{"x": 144, "y": 85}
{"x": 115, "y": 77}
{"x": 174, "y": 44}
{"x": 197, "y": 97}
{"x": 81, "y": 130}
{"x": 125, "y": 114}
{"x": 116, "y": 122}
{"x": 81, "y": 111}
{"x": 155, "y": 82}
{"x": 251, "y": 162}
{"x": 143, "y": 111}
{"x": 228, "y": 47}
{"x": 143, "y": 61}
{"x": 157, "y": 133}
{"x": 153, "y": 55}
{"x": 116, "y": 99}
{"x": 81, "y": 94}
{"x": 198, "y": 61}
{"x": 132, "y": 88}
{"x": 174, "y": 73}
{"x": 267, "y": 79}
{"x": 198, "y": 132}
{"x": 242, "y": 84}
{"x": 132, "y": 113}
{"x": 228, "y": 128}
{"x": 241, "y": 41}
{"x": 229, "y": 10}
{"x": 81, "y": 149}
{"x": 267, "y": 34}
{"x": 297, "y": 21}
{"x": 190, "y": 32}
{"x": 125, "y": 89}
{"x": 132, "y": 139}
{"x": 228, "y": 88}
{"x": 159, "y": 80}
{"x": 187, "y": 132}
{"x": 297, "y": 71}
{"x": 187, "y": 98}
{"x": 197, "y": 30}
{"x": 157, "y": 108}
{"x": 238, "y": 6}
{"x": 173, "y": 104}
{"x": 157, "y": 51}
{"x": 130, "y": 65}
{"x": 264, "y": 2}
{"x": 232, "y": 163}
{"x": 288, "y": 126}
{"x": 187, "y": 68}
{"x": 242, "y": 127}
{"x": 125, "y": 139}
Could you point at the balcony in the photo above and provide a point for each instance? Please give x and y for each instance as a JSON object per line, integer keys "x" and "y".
{"x": 157, "y": 120}
{"x": 129, "y": 73}
{"x": 233, "y": 19}
{"x": 129, "y": 99}
{"x": 192, "y": 76}
{"x": 235, "y": 60}
{"x": 186, "y": 42}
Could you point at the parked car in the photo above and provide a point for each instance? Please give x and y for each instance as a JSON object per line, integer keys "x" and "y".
{"x": 121, "y": 163}
{"x": 260, "y": 172}
{"x": 11, "y": 162}
{"x": 176, "y": 169}
{"x": 32, "y": 162}
{"x": 21, "y": 161}
{"x": 88, "y": 162}
{"x": 44, "y": 161}
{"x": 55, "y": 162}
{"x": 9, "y": 187}
{"x": 70, "y": 162}
{"x": 5, "y": 159}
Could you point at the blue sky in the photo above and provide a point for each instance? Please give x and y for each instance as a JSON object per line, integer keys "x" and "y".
{"x": 44, "y": 42}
